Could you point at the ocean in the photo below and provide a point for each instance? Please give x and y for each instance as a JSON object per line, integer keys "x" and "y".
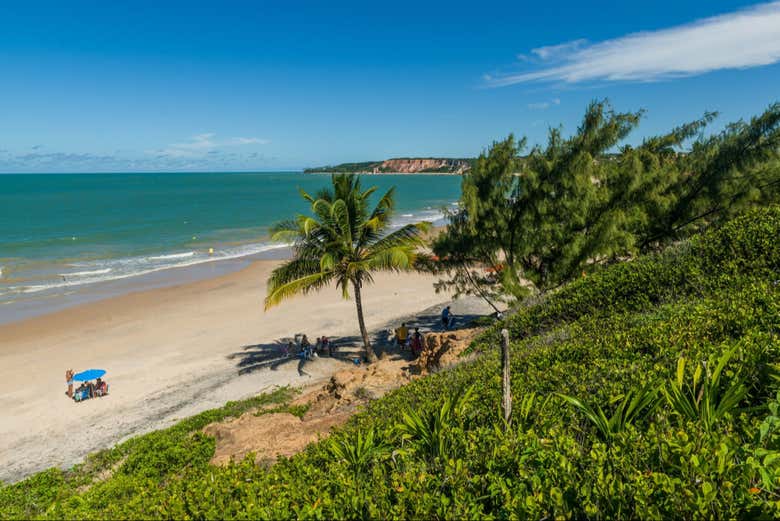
{"x": 64, "y": 238}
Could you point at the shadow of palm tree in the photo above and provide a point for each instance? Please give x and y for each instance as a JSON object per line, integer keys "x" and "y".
{"x": 273, "y": 355}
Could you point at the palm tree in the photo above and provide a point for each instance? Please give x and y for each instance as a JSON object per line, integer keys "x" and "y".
{"x": 343, "y": 241}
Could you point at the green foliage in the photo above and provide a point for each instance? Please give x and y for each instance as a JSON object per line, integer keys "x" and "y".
{"x": 431, "y": 450}
{"x": 575, "y": 205}
{"x": 706, "y": 398}
{"x": 343, "y": 241}
{"x": 359, "y": 450}
{"x": 345, "y": 168}
{"x": 295, "y": 410}
{"x": 634, "y": 405}
{"x": 430, "y": 433}
{"x": 530, "y": 407}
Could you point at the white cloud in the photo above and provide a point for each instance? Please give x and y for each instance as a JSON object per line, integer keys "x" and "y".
{"x": 562, "y": 49}
{"x": 544, "y": 104}
{"x": 247, "y": 141}
{"x": 738, "y": 40}
{"x": 202, "y": 144}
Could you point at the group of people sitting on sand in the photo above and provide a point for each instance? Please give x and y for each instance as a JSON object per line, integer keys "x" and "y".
{"x": 87, "y": 389}
{"x": 303, "y": 348}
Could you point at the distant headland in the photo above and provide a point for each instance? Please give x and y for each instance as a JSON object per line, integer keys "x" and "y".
{"x": 401, "y": 165}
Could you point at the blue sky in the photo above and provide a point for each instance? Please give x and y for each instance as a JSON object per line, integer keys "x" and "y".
{"x": 110, "y": 86}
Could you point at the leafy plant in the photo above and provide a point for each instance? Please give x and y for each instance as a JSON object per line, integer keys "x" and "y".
{"x": 634, "y": 405}
{"x": 529, "y": 407}
{"x": 706, "y": 398}
{"x": 359, "y": 449}
{"x": 429, "y": 432}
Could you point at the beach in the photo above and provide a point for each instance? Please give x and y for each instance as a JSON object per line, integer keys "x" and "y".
{"x": 170, "y": 353}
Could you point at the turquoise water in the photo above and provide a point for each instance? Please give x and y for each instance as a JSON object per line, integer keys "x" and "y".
{"x": 63, "y": 231}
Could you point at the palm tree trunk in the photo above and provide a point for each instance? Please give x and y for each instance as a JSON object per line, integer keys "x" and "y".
{"x": 370, "y": 356}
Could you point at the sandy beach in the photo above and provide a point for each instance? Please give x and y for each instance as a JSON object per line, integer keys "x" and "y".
{"x": 169, "y": 353}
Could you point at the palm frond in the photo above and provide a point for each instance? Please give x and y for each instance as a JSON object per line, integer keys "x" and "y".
{"x": 285, "y": 231}
{"x": 399, "y": 258}
{"x": 384, "y": 208}
{"x": 277, "y": 293}
{"x": 292, "y": 270}
{"x": 409, "y": 236}
{"x": 341, "y": 216}
{"x": 305, "y": 195}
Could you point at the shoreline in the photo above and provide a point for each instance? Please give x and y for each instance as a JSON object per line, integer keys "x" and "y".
{"x": 170, "y": 352}
{"x": 90, "y": 292}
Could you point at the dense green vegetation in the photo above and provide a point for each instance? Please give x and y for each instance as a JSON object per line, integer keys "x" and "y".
{"x": 343, "y": 241}
{"x": 345, "y": 168}
{"x": 646, "y": 390}
{"x": 575, "y": 204}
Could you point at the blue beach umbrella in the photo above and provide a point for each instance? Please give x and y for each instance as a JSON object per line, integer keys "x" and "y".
{"x": 89, "y": 374}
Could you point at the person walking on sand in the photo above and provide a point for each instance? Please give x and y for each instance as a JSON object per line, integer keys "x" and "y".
{"x": 401, "y": 335}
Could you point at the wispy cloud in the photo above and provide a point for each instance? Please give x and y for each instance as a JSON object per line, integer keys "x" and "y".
{"x": 737, "y": 40}
{"x": 201, "y": 152}
{"x": 201, "y": 144}
{"x": 247, "y": 141}
{"x": 561, "y": 50}
{"x": 542, "y": 105}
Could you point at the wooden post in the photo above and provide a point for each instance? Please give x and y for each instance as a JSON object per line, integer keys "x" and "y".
{"x": 506, "y": 383}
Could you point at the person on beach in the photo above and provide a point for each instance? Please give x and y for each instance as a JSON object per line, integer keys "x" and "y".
{"x": 306, "y": 346}
{"x": 446, "y": 315}
{"x": 401, "y": 335}
{"x": 417, "y": 342}
{"x": 327, "y": 345}
{"x": 69, "y": 380}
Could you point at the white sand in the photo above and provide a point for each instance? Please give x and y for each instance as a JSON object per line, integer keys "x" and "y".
{"x": 170, "y": 353}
